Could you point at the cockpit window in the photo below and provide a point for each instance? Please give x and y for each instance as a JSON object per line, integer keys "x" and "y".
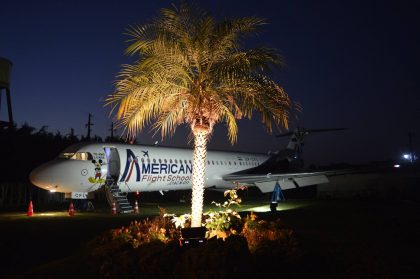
{"x": 65, "y": 155}
{"x": 82, "y": 156}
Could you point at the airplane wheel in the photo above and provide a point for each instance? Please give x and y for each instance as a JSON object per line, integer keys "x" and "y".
{"x": 273, "y": 207}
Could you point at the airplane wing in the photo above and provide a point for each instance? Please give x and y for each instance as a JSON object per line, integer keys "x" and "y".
{"x": 266, "y": 182}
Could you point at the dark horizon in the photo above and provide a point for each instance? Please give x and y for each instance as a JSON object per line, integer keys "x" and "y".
{"x": 351, "y": 65}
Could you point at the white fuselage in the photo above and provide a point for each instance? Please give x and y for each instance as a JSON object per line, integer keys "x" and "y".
{"x": 85, "y": 167}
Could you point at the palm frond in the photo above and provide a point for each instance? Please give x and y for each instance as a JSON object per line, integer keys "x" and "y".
{"x": 192, "y": 69}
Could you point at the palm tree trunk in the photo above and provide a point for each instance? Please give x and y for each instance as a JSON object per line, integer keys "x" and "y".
{"x": 198, "y": 175}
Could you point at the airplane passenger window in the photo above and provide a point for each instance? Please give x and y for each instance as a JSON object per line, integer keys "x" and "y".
{"x": 234, "y": 163}
{"x": 240, "y": 163}
{"x": 176, "y": 161}
{"x": 229, "y": 163}
{"x": 189, "y": 161}
{"x": 154, "y": 160}
{"x": 208, "y": 162}
{"x": 165, "y": 161}
{"x": 170, "y": 161}
{"x": 185, "y": 161}
{"x": 212, "y": 162}
{"x": 160, "y": 161}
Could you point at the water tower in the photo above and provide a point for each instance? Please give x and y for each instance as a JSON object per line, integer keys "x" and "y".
{"x": 5, "y": 70}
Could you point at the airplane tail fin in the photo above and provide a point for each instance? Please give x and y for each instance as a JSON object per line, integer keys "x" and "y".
{"x": 296, "y": 142}
{"x": 291, "y": 157}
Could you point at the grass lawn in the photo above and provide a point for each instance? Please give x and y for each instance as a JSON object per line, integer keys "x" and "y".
{"x": 345, "y": 238}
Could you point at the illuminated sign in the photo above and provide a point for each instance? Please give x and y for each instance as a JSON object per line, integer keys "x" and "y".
{"x": 152, "y": 172}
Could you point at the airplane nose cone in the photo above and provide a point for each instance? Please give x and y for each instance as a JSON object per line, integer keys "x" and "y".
{"x": 33, "y": 177}
{"x": 40, "y": 177}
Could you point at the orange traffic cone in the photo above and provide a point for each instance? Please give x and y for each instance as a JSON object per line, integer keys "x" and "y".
{"x": 114, "y": 208}
{"x": 71, "y": 209}
{"x": 30, "y": 209}
{"x": 136, "y": 207}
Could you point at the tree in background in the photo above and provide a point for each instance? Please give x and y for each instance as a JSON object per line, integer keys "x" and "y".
{"x": 192, "y": 69}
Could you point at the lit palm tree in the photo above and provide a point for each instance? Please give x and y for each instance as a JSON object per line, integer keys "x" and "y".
{"x": 192, "y": 70}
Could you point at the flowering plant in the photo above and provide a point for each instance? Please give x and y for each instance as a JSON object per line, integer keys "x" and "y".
{"x": 220, "y": 222}
{"x": 181, "y": 221}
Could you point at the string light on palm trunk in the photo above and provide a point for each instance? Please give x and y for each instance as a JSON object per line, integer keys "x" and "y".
{"x": 198, "y": 174}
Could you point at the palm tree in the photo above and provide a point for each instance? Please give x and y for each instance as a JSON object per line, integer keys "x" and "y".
{"x": 191, "y": 69}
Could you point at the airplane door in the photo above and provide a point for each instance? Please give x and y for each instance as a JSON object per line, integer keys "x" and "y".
{"x": 113, "y": 163}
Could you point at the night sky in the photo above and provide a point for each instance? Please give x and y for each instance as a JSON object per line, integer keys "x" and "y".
{"x": 352, "y": 64}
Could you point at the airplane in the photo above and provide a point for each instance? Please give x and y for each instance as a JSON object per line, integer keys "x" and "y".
{"x": 122, "y": 168}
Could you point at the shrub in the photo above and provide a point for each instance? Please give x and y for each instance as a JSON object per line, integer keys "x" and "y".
{"x": 236, "y": 247}
{"x": 112, "y": 252}
{"x": 257, "y": 231}
{"x": 139, "y": 232}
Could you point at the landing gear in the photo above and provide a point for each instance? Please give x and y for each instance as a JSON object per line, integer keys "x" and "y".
{"x": 273, "y": 206}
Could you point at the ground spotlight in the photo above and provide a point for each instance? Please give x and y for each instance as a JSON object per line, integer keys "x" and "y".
{"x": 192, "y": 237}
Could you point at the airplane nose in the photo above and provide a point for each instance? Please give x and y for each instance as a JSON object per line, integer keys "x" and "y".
{"x": 41, "y": 178}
